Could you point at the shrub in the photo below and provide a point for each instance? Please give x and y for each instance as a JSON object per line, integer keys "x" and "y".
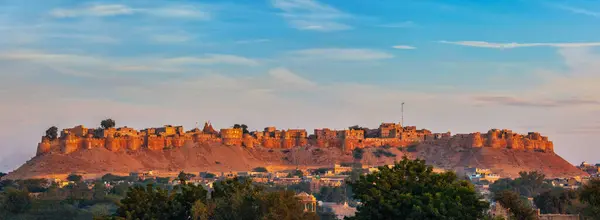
{"x": 357, "y": 153}
{"x": 74, "y": 178}
{"x": 382, "y": 152}
{"x": 321, "y": 171}
{"x": 345, "y": 164}
{"x": 208, "y": 175}
{"x": 412, "y": 148}
{"x": 260, "y": 169}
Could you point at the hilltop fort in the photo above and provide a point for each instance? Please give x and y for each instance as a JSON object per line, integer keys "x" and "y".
{"x": 97, "y": 151}
{"x": 125, "y": 139}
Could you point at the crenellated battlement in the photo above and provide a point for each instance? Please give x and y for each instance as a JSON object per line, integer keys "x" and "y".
{"x": 387, "y": 134}
{"x": 503, "y": 139}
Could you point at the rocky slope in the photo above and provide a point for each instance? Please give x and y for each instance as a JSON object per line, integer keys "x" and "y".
{"x": 218, "y": 158}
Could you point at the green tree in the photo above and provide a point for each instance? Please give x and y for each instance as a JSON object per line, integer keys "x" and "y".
{"x": 162, "y": 180}
{"x": 52, "y": 133}
{"x": 282, "y": 205}
{"x": 590, "y": 196}
{"x": 15, "y": 201}
{"x": 146, "y": 203}
{"x": 411, "y": 190}
{"x": 528, "y": 184}
{"x": 33, "y": 185}
{"x": 532, "y": 182}
{"x": 186, "y": 197}
{"x": 332, "y": 194}
{"x": 202, "y": 211}
{"x": 108, "y": 123}
{"x": 516, "y": 206}
{"x": 297, "y": 173}
{"x": 120, "y": 189}
{"x": 236, "y": 199}
{"x": 109, "y": 177}
{"x": 78, "y": 193}
{"x": 556, "y": 201}
{"x": 7, "y": 183}
{"x": 184, "y": 177}
{"x": 99, "y": 191}
{"x": 152, "y": 202}
{"x": 74, "y": 177}
{"x": 2, "y": 175}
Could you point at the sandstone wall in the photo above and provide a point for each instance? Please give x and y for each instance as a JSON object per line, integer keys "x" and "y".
{"x": 79, "y": 138}
{"x": 498, "y": 139}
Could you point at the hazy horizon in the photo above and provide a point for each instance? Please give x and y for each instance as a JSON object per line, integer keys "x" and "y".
{"x": 459, "y": 66}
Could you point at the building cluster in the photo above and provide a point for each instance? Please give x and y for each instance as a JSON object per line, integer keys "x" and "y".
{"x": 387, "y": 134}
{"x": 496, "y": 138}
{"x": 125, "y": 138}
{"x": 592, "y": 169}
{"x": 480, "y": 175}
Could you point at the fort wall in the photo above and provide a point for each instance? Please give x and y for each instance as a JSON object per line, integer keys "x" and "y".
{"x": 390, "y": 134}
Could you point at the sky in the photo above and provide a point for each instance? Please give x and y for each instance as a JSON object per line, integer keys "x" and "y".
{"x": 459, "y": 66}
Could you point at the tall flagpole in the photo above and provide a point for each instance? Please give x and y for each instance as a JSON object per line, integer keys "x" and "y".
{"x": 402, "y": 114}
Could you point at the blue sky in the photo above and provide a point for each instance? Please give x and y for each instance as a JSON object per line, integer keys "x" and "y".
{"x": 463, "y": 66}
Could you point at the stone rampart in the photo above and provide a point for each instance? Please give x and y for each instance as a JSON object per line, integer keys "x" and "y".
{"x": 499, "y": 139}
{"x": 394, "y": 135}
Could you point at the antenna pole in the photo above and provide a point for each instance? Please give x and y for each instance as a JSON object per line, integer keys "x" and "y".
{"x": 402, "y": 114}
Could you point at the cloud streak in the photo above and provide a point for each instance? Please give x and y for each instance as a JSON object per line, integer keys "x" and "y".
{"x": 342, "y": 54}
{"x": 286, "y": 76}
{"x": 312, "y": 15}
{"x": 519, "y": 102}
{"x": 107, "y": 10}
{"x": 253, "y": 41}
{"x": 78, "y": 64}
{"x": 404, "y": 47}
{"x": 405, "y": 24}
{"x": 213, "y": 59}
{"x": 93, "y": 10}
{"x": 484, "y": 44}
{"x": 581, "y": 11}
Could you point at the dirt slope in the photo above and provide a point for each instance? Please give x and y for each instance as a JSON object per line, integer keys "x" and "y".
{"x": 218, "y": 158}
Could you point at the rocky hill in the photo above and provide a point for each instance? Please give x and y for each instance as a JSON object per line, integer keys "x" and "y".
{"x": 170, "y": 149}
{"x": 217, "y": 157}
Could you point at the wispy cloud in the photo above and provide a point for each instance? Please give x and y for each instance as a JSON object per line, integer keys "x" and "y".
{"x": 405, "y": 24}
{"x": 171, "y": 38}
{"x": 520, "y": 102}
{"x": 181, "y": 11}
{"x": 286, "y": 76}
{"x": 213, "y": 59}
{"x": 253, "y": 41}
{"x": 342, "y": 54}
{"x": 105, "y": 10}
{"x": 86, "y": 37}
{"x": 93, "y": 10}
{"x": 32, "y": 55}
{"x": 485, "y": 44}
{"x": 404, "y": 47}
{"x": 155, "y": 64}
{"x": 579, "y": 10}
{"x": 312, "y": 15}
